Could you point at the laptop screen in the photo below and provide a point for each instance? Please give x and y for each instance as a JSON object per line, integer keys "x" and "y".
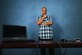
{"x": 14, "y": 31}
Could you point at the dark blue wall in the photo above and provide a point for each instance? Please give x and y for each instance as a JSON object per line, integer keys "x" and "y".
{"x": 66, "y": 14}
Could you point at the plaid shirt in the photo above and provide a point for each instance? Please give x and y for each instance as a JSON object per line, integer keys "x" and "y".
{"x": 45, "y": 32}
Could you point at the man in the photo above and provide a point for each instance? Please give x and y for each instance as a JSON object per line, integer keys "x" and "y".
{"x": 45, "y": 32}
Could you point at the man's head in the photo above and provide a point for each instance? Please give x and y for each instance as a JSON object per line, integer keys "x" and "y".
{"x": 44, "y": 10}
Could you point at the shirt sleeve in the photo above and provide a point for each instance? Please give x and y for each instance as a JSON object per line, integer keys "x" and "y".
{"x": 49, "y": 19}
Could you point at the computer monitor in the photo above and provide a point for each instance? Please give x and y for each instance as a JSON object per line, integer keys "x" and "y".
{"x": 15, "y": 34}
{"x": 14, "y": 31}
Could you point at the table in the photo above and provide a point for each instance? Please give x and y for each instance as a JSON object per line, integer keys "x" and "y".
{"x": 41, "y": 45}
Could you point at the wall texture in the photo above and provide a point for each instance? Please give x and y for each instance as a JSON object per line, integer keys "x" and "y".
{"x": 66, "y": 15}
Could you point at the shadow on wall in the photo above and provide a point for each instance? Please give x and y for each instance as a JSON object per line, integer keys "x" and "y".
{"x": 57, "y": 30}
{"x": 33, "y": 30}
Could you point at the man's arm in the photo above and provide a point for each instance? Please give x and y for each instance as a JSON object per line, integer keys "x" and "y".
{"x": 40, "y": 21}
{"x": 49, "y": 23}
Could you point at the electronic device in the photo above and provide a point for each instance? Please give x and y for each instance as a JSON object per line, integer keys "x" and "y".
{"x": 14, "y": 34}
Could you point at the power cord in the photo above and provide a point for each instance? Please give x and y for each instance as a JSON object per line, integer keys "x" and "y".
{"x": 62, "y": 49}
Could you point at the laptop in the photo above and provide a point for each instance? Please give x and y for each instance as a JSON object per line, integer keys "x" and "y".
{"x": 15, "y": 34}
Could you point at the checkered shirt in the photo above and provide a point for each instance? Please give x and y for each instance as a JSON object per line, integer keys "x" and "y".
{"x": 45, "y": 32}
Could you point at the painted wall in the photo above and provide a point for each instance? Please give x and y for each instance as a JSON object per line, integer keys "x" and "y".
{"x": 66, "y": 15}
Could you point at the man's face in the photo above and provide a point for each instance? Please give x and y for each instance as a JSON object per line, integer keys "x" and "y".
{"x": 44, "y": 11}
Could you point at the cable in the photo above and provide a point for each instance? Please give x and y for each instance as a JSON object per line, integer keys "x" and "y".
{"x": 63, "y": 52}
{"x": 62, "y": 49}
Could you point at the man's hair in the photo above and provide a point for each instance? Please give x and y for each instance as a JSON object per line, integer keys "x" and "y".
{"x": 44, "y": 7}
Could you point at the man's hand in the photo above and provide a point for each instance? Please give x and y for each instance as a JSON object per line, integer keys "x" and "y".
{"x": 44, "y": 23}
{"x": 41, "y": 20}
{"x": 44, "y": 16}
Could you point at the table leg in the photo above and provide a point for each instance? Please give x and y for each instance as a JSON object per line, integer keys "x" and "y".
{"x": 0, "y": 51}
